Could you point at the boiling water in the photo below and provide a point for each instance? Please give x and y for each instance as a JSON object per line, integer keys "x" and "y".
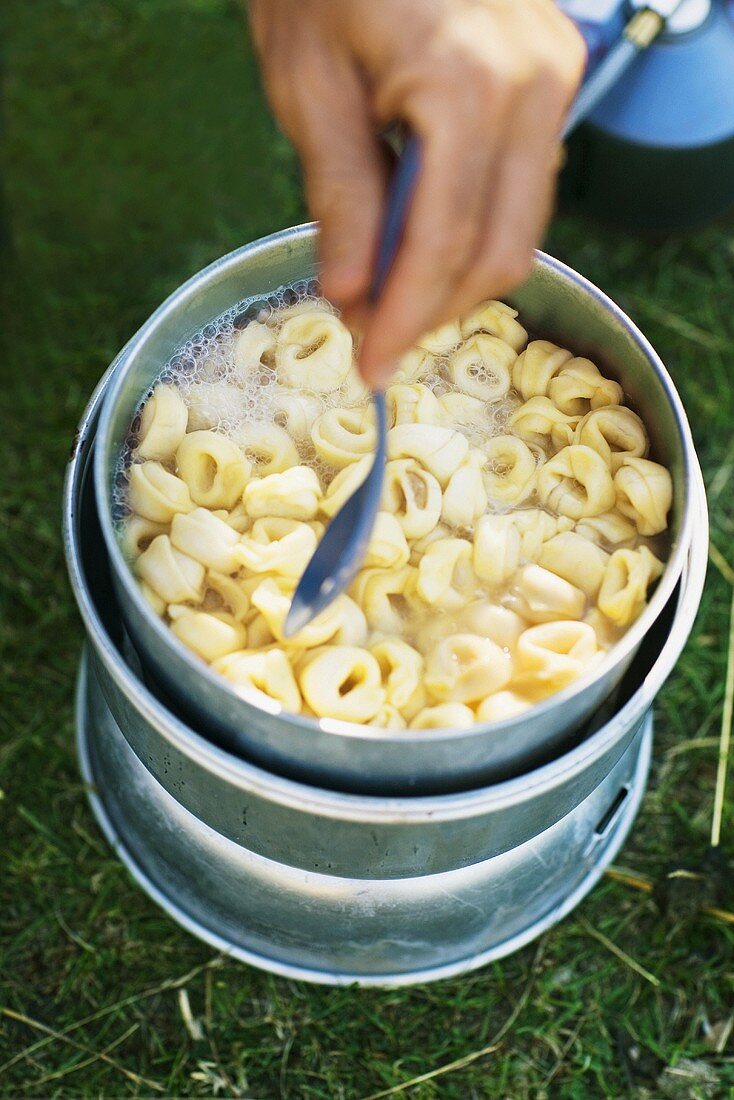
{"x": 207, "y": 358}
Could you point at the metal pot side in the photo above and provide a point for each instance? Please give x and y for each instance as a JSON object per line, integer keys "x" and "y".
{"x": 555, "y": 301}
{"x": 283, "y": 820}
{"x": 311, "y": 926}
{"x": 337, "y": 888}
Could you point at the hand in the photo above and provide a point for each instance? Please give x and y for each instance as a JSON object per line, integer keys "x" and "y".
{"x": 485, "y": 83}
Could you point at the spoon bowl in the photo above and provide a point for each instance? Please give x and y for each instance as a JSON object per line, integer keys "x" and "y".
{"x": 339, "y": 555}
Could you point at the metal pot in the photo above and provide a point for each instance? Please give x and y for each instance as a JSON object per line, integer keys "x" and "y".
{"x": 556, "y": 302}
{"x": 333, "y": 887}
{"x": 313, "y": 926}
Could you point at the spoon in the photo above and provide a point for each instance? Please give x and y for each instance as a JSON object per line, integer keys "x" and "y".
{"x": 337, "y": 558}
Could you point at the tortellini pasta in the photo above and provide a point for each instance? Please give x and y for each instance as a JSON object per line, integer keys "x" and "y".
{"x": 251, "y": 345}
{"x": 644, "y": 492}
{"x": 552, "y": 655}
{"x": 313, "y": 351}
{"x": 509, "y": 553}
{"x": 276, "y": 545}
{"x": 502, "y": 706}
{"x": 445, "y": 716}
{"x": 211, "y": 636}
{"x": 352, "y": 628}
{"x": 496, "y": 549}
{"x": 419, "y": 546}
{"x": 173, "y": 576}
{"x": 210, "y": 403}
{"x": 465, "y": 497}
{"x": 388, "y": 547}
{"x": 388, "y": 717}
{"x": 341, "y": 436}
{"x": 156, "y": 494}
{"x": 511, "y": 470}
{"x": 533, "y": 370}
{"x": 294, "y": 494}
{"x": 413, "y": 404}
{"x": 576, "y": 482}
{"x": 228, "y": 593}
{"x": 259, "y": 634}
{"x": 610, "y": 529}
{"x": 465, "y": 667}
{"x": 138, "y": 533}
{"x": 296, "y": 413}
{"x": 269, "y": 447}
{"x": 535, "y": 527}
{"x": 442, "y": 339}
{"x": 462, "y": 409}
{"x": 353, "y": 391}
{"x": 539, "y": 420}
{"x": 440, "y": 450}
{"x": 497, "y": 319}
{"x": 625, "y": 582}
{"x": 401, "y": 667}
{"x": 579, "y": 386}
{"x": 213, "y": 467}
{"x": 482, "y": 367}
{"x": 615, "y": 433}
{"x": 263, "y": 677}
{"x": 413, "y": 495}
{"x": 492, "y": 620}
{"x": 162, "y": 424}
{"x": 156, "y": 603}
{"x": 541, "y": 596}
{"x": 415, "y": 364}
{"x": 272, "y": 598}
{"x": 237, "y": 518}
{"x": 576, "y": 559}
{"x": 206, "y": 538}
{"x": 346, "y": 482}
{"x": 342, "y": 682}
{"x": 383, "y": 595}
{"x": 445, "y": 574}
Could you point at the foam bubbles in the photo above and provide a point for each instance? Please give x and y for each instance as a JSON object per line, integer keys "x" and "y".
{"x": 224, "y": 400}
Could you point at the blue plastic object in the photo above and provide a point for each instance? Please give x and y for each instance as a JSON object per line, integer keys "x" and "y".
{"x": 342, "y": 550}
{"x": 656, "y": 151}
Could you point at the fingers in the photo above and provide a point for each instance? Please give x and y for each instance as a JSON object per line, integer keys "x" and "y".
{"x": 485, "y": 84}
{"x": 439, "y": 239}
{"x": 344, "y": 176}
{"x": 318, "y": 95}
{"x": 484, "y": 199}
{"x": 520, "y": 205}
{"x": 522, "y": 209}
{"x": 522, "y": 202}
{"x": 460, "y": 116}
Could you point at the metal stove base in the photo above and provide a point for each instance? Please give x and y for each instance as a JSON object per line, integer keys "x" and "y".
{"x": 338, "y": 931}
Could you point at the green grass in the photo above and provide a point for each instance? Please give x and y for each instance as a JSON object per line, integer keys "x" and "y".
{"x": 137, "y": 148}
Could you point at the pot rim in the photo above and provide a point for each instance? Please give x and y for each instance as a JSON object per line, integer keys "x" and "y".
{"x": 302, "y": 724}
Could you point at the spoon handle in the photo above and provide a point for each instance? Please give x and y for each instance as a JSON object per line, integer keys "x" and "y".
{"x": 402, "y": 186}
